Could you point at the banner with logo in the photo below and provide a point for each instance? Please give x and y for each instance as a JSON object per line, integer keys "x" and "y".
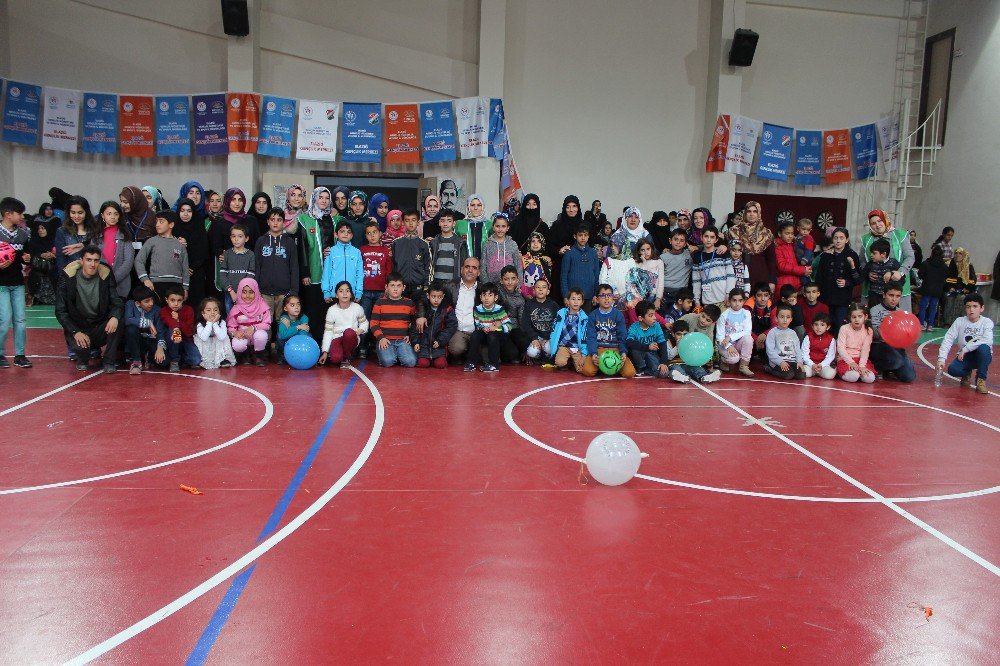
{"x": 317, "y": 136}
{"x": 888, "y": 136}
{"x": 21, "y": 112}
{"x": 362, "y": 136}
{"x": 865, "y": 150}
{"x": 497, "y": 129}
{"x": 837, "y": 156}
{"x": 775, "y": 152}
{"x": 242, "y": 121}
{"x": 510, "y": 180}
{"x": 716, "y": 160}
{"x": 99, "y": 135}
{"x": 472, "y": 118}
{"x": 743, "y": 133}
{"x": 437, "y": 127}
{"x": 173, "y": 126}
{"x": 136, "y": 121}
{"x": 402, "y": 134}
{"x": 808, "y": 166}
{"x": 61, "y": 119}
{"x": 210, "y": 137}
{"x": 277, "y": 118}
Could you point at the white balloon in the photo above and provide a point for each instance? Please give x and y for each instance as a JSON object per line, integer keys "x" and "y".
{"x": 613, "y": 458}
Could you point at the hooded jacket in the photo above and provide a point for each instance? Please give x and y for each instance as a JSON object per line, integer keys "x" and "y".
{"x": 68, "y": 312}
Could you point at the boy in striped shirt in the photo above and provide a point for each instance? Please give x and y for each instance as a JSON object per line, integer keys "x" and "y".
{"x": 492, "y": 326}
{"x": 391, "y": 319}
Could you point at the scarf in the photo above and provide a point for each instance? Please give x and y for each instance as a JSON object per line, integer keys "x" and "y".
{"x": 754, "y": 238}
{"x": 390, "y": 233}
{"x": 199, "y": 210}
{"x": 37, "y": 244}
{"x": 314, "y": 210}
{"x": 350, "y": 214}
{"x": 571, "y": 221}
{"x": 260, "y": 217}
{"x": 158, "y": 203}
{"x": 291, "y": 213}
{"x": 227, "y": 214}
{"x": 377, "y": 200}
{"x": 423, "y": 209}
{"x": 879, "y": 213}
{"x": 139, "y": 213}
{"x": 481, "y": 218}
{"x": 963, "y": 266}
{"x": 341, "y": 212}
{"x": 637, "y": 234}
{"x": 254, "y": 310}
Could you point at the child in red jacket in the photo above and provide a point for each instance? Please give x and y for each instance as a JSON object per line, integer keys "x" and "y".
{"x": 178, "y": 331}
{"x": 789, "y": 269}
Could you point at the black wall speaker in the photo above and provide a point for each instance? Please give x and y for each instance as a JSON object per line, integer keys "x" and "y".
{"x": 235, "y": 19}
{"x": 744, "y": 45}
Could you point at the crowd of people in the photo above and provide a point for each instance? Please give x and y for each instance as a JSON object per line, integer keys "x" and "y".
{"x": 217, "y": 279}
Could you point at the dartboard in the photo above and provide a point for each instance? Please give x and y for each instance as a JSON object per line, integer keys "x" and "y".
{"x": 784, "y": 215}
{"x": 824, "y": 220}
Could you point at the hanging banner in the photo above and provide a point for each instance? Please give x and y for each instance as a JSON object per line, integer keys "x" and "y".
{"x": 716, "y": 160}
{"x": 402, "y": 134}
{"x": 136, "y": 122}
{"x": 808, "y": 166}
{"x": 242, "y": 118}
{"x": 276, "y": 121}
{"x": 317, "y": 136}
{"x": 510, "y": 181}
{"x": 775, "y": 152}
{"x": 61, "y": 120}
{"x": 362, "y": 136}
{"x": 497, "y": 129}
{"x": 173, "y": 126}
{"x": 865, "y": 150}
{"x": 99, "y": 135}
{"x": 437, "y": 129}
{"x": 210, "y": 136}
{"x": 472, "y": 116}
{"x": 21, "y": 110}
{"x": 743, "y": 133}
{"x": 888, "y": 136}
{"x": 837, "y": 156}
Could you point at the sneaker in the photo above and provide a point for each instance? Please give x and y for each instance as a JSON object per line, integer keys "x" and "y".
{"x": 488, "y": 368}
{"x": 549, "y": 367}
{"x": 82, "y": 363}
{"x": 469, "y": 367}
{"x": 679, "y": 376}
{"x": 22, "y": 361}
{"x": 135, "y": 368}
{"x": 259, "y": 361}
{"x": 745, "y": 369}
{"x": 225, "y": 363}
{"x": 109, "y": 369}
{"x": 966, "y": 380}
{"x": 4, "y": 363}
{"x": 175, "y": 366}
{"x": 981, "y": 387}
{"x": 345, "y": 364}
{"x": 711, "y": 377}
{"x": 363, "y": 353}
{"x": 641, "y": 373}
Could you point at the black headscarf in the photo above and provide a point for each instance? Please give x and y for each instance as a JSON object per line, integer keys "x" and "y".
{"x": 528, "y": 221}
{"x": 660, "y": 234}
{"x": 565, "y": 226}
{"x": 260, "y": 217}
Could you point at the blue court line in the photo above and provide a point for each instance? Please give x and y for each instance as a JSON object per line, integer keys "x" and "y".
{"x": 211, "y": 634}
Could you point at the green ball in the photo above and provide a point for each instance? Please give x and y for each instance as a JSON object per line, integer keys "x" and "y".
{"x": 610, "y": 362}
{"x": 695, "y": 349}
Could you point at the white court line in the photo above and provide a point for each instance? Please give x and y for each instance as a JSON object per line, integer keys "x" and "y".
{"x": 253, "y": 555}
{"x": 702, "y": 405}
{"x": 933, "y": 366}
{"x": 943, "y": 538}
{"x": 714, "y": 434}
{"x": 50, "y": 393}
{"x": 268, "y": 413}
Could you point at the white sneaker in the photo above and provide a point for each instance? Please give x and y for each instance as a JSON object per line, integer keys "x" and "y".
{"x": 711, "y": 377}
{"x": 679, "y": 376}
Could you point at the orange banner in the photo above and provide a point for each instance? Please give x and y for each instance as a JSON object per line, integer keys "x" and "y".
{"x": 837, "y": 156}
{"x": 720, "y": 145}
{"x": 138, "y": 134}
{"x": 402, "y": 134}
{"x": 242, "y": 119}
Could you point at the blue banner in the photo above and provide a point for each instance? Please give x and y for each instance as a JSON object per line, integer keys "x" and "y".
{"x": 99, "y": 134}
{"x": 497, "y": 130}
{"x": 437, "y": 130}
{"x": 864, "y": 142}
{"x": 211, "y": 135}
{"x": 173, "y": 126}
{"x": 21, "y": 113}
{"x": 277, "y": 118}
{"x": 775, "y": 152}
{"x": 361, "y": 138}
{"x": 808, "y": 150}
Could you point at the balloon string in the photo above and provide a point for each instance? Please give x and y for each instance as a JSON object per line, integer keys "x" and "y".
{"x": 582, "y": 477}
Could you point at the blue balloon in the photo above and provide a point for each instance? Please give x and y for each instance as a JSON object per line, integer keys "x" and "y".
{"x": 301, "y": 352}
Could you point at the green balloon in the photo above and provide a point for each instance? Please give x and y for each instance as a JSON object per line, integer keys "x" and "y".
{"x": 695, "y": 349}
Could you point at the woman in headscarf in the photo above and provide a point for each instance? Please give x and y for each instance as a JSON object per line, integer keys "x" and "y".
{"x": 42, "y": 278}
{"x": 476, "y": 228}
{"x": 595, "y": 218}
{"x": 880, "y": 226}
{"x": 378, "y": 208}
{"x": 659, "y": 230}
{"x": 213, "y": 208}
{"x": 561, "y": 239}
{"x": 341, "y": 202}
{"x": 192, "y": 235}
{"x": 961, "y": 281}
{"x": 357, "y": 216}
{"x": 196, "y": 193}
{"x": 295, "y": 203}
{"x": 624, "y": 240}
{"x": 140, "y": 219}
{"x": 260, "y": 203}
{"x": 155, "y": 198}
{"x": 429, "y": 211}
{"x": 529, "y": 221}
{"x": 758, "y": 244}
{"x": 701, "y": 217}
{"x": 315, "y": 244}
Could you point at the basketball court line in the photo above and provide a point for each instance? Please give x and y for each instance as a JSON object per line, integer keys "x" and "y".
{"x": 50, "y": 393}
{"x": 257, "y": 552}
{"x": 714, "y": 434}
{"x": 933, "y": 366}
{"x": 697, "y": 406}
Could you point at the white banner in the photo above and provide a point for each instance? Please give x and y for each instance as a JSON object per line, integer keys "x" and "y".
{"x": 472, "y": 114}
{"x": 888, "y": 138}
{"x": 743, "y": 133}
{"x": 61, "y": 119}
{"x": 317, "y": 134}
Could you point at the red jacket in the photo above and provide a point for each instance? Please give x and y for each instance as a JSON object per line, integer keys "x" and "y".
{"x": 186, "y": 323}
{"x": 789, "y": 271}
{"x": 809, "y": 312}
{"x": 377, "y": 261}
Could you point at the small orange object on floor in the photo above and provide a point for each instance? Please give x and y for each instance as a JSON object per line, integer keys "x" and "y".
{"x": 191, "y": 489}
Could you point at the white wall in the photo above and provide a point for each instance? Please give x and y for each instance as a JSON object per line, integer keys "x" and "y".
{"x": 963, "y": 191}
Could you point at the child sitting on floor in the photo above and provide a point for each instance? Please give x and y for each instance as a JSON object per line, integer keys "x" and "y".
{"x": 784, "y": 351}
{"x": 734, "y": 333}
{"x": 178, "y": 330}
{"x": 249, "y": 323}
{"x": 211, "y": 337}
{"x": 854, "y": 343}
{"x": 975, "y": 333}
{"x": 606, "y": 330}
{"x": 647, "y": 346}
{"x": 345, "y": 325}
{"x": 679, "y": 370}
{"x": 492, "y": 325}
{"x": 569, "y": 332}
{"x": 142, "y": 331}
{"x": 819, "y": 349}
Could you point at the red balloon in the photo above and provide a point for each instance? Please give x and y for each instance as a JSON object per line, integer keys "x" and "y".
{"x": 900, "y": 329}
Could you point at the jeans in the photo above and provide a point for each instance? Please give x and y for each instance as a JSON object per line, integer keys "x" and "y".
{"x": 978, "y": 359}
{"x": 928, "y": 310}
{"x": 398, "y": 351}
{"x": 12, "y": 311}
{"x": 368, "y": 298}
{"x": 183, "y": 351}
{"x": 645, "y": 361}
{"x": 695, "y": 372}
{"x": 139, "y": 347}
{"x": 888, "y": 359}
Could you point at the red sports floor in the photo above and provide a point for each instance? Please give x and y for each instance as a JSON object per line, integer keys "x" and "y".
{"x": 430, "y": 516}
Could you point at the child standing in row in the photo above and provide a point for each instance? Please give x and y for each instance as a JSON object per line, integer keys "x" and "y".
{"x": 12, "y": 281}
{"x": 448, "y": 250}
{"x": 377, "y": 262}
{"x": 492, "y": 324}
{"x": 165, "y": 256}
{"x": 431, "y": 345}
{"x": 411, "y": 258}
{"x": 500, "y": 251}
{"x": 712, "y": 275}
{"x": 277, "y": 263}
{"x": 236, "y": 264}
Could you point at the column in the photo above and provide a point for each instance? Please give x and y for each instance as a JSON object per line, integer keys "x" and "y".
{"x": 243, "y": 75}
{"x": 492, "y": 45}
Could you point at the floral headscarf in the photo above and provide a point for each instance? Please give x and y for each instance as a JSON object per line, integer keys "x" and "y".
{"x": 753, "y": 237}
{"x": 963, "y": 266}
{"x": 881, "y": 214}
{"x": 314, "y": 209}
{"x": 356, "y": 194}
{"x": 292, "y": 213}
